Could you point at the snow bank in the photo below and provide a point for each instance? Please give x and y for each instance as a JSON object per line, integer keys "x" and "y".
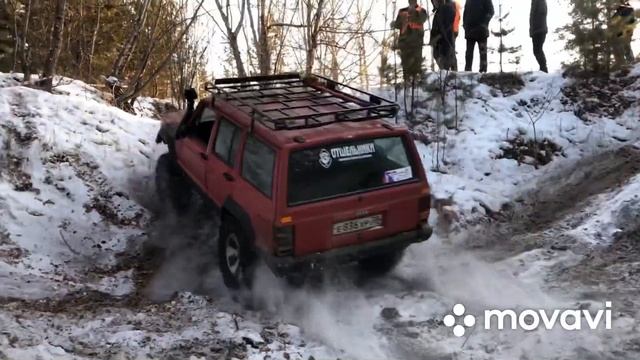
{"x": 71, "y": 168}
{"x": 612, "y": 214}
{"x": 466, "y": 164}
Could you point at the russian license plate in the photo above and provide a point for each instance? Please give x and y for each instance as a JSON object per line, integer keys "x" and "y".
{"x": 357, "y": 225}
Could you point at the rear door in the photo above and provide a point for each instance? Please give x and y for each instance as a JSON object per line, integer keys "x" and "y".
{"x": 353, "y": 192}
{"x": 222, "y": 169}
{"x": 256, "y": 188}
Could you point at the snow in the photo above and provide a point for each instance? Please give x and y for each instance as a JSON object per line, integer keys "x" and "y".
{"x": 473, "y": 175}
{"x": 75, "y": 178}
{"x": 80, "y": 156}
{"x": 611, "y": 213}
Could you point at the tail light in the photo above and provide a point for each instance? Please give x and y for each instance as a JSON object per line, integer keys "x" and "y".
{"x": 283, "y": 238}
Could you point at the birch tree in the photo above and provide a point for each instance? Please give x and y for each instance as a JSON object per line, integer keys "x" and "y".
{"x": 55, "y": 46}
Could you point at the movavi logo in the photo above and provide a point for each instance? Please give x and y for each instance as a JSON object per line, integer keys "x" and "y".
{"x": 532, "y": 319}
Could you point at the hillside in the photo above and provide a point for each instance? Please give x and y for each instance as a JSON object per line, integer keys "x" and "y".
{"x": 91, "y": 267}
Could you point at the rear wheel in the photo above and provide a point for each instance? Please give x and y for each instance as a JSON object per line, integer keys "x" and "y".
{"x": 171, "y": 184}
{"x": 381, "y": 264}
{"x": 236, "y": 256}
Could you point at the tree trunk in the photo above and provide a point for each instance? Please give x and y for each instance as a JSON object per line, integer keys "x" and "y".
{"x": 94, "y": 38}
{"x": 25, "y": 51}
{"x": 55, "y": 46}
{"x": 127, "y": 48}
{"x": 237, "y": 55}
{"x": 313, "y": 33}
{"x": 140, "y": 85}
{"x": 232, "y": 34}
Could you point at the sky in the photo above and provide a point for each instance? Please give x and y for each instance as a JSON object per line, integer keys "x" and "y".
{"x": 558, "y": 16}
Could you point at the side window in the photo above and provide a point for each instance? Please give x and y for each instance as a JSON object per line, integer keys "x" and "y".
{"x": 257, "y": 165}
{"x": 203, "y": 125}
{"x": 227, "y": 141}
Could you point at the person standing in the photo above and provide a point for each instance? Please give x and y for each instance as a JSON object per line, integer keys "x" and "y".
{"x": 476, "y": 18}
{"x": 442, "y": 39}
{"x": 538, "y": 31}
{"x": 456, "y": 31}
{"x": 623, "y": 24}
{"x": 410, "y": 21}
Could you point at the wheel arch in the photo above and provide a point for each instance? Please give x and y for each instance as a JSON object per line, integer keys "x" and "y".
{"x": 231, "y": 208}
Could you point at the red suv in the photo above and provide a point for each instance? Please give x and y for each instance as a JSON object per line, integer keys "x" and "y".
{"x": 306, "y": 172}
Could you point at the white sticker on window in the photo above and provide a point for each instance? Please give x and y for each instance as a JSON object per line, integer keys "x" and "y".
{"x": 353, "y": 152}
{"x": 325, "y": 158}
{"x": 396, "y": 175}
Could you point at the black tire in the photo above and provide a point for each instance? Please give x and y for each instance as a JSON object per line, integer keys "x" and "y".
{"x": 237, "y": 269}
{"x": 171, "y": 184}
{"x": 381, "y": 264}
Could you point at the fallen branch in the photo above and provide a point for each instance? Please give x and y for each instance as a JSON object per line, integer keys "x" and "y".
{"x": 66, "y": 243}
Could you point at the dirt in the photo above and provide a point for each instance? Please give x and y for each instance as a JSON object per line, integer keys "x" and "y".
{"x": 534, "y": 220}
{"x": 103, "y": 196}
{"x": 601, "y": 96}
{"x": 508, "y": 83}
{"x": 530, "y": 152}
{"x": 13, "y": 160}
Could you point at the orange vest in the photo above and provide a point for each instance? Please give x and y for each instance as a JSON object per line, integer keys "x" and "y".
{"x": 456, "y": 20}
{"x": 410, "y": 25}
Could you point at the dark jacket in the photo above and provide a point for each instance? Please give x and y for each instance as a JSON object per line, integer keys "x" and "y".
{"x": 409, "y": 36}
{"x": 442, "y": 30}
{"x": 538, "y": 17}
{"x": 477, "y": 14}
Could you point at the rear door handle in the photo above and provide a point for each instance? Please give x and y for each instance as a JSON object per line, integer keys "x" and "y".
{"x": 228, "y": 177}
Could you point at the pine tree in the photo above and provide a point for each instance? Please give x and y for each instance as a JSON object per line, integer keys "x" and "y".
{"x": 503, "y": 32}
{"x": 589, "y": 38}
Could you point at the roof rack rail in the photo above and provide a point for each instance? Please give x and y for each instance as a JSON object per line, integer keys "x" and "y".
{"x": 290, "y": 101}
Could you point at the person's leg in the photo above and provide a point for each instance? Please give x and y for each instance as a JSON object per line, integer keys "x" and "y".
{"x": 416, "y": 65}
{"x": 469, "y": 55}
{"x": 538, "y": 51}
{"x": 405, "y": 60}
{"x": 618, "y": 50}
{"x": 482, "y": 46}
{"x": 628, "y": 51}
{"x": 454, "y": 57}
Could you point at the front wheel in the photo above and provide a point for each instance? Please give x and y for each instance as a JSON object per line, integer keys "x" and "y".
{"x": 236, "y": 257}
{"x": 381, "y": 264}
{"x": 171, "y": 184}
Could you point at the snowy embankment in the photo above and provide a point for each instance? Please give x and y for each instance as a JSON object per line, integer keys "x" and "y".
{"x": 70, "y": 166}
{"x": 468, "y": 165}
{"x": 76, "y": 181}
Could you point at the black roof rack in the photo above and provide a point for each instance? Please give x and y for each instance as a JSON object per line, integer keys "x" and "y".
{"x": 289, "y": 101}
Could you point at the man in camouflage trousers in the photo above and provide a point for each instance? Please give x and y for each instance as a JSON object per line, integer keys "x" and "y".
{"x": 410, "y": 21}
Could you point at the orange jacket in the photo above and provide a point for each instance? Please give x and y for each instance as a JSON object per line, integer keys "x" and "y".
{"x": 456, "y": 20}
{"x": 403, "y": 22}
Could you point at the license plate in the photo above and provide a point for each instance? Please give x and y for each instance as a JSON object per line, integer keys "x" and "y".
{"x": 357, "y": 225}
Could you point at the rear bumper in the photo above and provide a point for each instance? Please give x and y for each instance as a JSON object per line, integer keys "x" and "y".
{"x": 347, "y": 254}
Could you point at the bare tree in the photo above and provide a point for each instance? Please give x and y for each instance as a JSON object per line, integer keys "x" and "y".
{"x": 143, "y": 77}
{"x": 130, "y": 43}
{"x": 23, "y": 45}
{"x": 94, "y": 37}
{"x": 313, "y": 10}
{"x": 55, "y": 46}
{"x": 260, "y": 34}
{"x": 231, "y": 31}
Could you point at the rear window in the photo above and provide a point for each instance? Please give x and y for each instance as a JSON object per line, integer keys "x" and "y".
{"x": 346, "y": 168}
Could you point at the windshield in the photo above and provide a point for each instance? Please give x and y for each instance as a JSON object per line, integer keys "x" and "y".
{"x": 346, "y": 168}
